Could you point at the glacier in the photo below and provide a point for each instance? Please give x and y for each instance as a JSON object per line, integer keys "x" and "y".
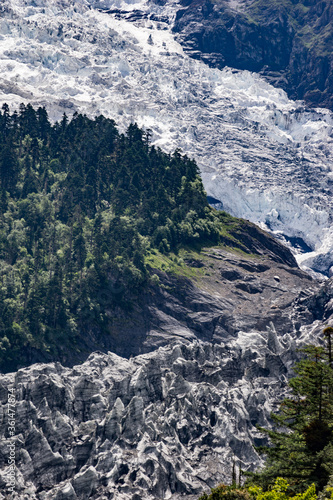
{"x": 163, "y": 425}
{"x": 264, "y": 157}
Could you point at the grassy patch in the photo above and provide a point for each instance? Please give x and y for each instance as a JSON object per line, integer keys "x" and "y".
{"x": 178, "y": 264}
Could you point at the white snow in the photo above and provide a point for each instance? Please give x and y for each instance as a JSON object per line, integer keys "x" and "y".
{"x": 268, "y": 159}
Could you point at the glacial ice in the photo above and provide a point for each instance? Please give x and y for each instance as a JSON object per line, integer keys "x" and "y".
{"x": 268, "y": 159}
{"x": 166, "y": 424}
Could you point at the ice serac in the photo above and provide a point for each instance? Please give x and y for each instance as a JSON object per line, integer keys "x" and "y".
{"x": 266, "y": 158}
{"x": 167, "y": 424}
{"x": 171, "y": 422}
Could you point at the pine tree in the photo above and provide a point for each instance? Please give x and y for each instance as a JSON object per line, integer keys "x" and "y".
{"x": 302, "y": 442}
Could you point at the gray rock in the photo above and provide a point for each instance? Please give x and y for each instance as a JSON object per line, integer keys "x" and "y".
{"x": 84, "y": 483}
{"x": 223, "y": 35}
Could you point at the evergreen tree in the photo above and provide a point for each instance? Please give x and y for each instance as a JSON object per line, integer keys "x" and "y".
{"x": 302, "y": 442}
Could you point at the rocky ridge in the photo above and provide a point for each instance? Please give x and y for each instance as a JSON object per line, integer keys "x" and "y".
{"x": 208, "y": 295}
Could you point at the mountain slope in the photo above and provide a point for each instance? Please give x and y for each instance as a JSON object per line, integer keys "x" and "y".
{"x": 288, "y": 42}
{"x": 268, "y": 159}
{"x": 217, "y": 305}
{"x": 87, "y": 215}
{"x": 210, "y": 332}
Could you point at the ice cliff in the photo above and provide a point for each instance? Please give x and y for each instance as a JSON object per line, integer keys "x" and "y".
{"x": 163, "y": 425}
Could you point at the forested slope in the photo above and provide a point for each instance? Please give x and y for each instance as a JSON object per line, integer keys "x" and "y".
{"x": 82, "y": 207}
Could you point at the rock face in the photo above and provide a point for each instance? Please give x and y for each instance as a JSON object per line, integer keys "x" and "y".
{"x": 228, "y": 291}
{"x": 290, "y": 43}
{"x": 236, "y": 293}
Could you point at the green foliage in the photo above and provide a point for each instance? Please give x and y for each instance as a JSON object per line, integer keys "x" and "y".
{"x": 327, "y": 493}
{"x": 311, "y": 26}
{"x": 81, "y": 207}
{"x": 302, "y": 442}
{"x": 280, "y": 490}
{"x": 224, "y": 492}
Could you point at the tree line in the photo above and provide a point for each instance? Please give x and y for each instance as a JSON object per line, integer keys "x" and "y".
{"x": 80, "y": 206}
